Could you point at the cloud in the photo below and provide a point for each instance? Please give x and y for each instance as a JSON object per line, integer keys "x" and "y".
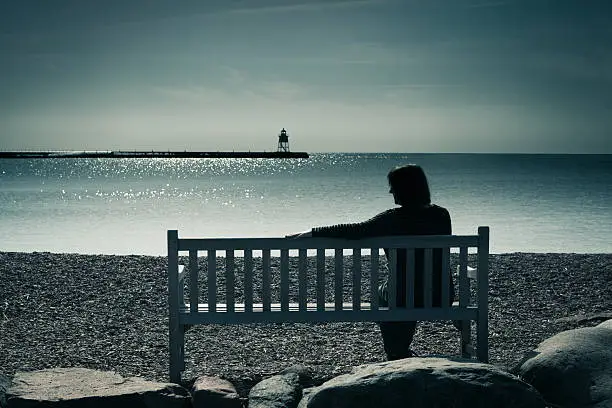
{"x": 246, "y": 93}
{"x": 490, "y": 4}
{"x": 299, "y": 5}
{"x": 234, "y": 76}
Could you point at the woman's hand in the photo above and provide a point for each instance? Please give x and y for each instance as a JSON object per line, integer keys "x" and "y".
{"x": 304, "y": 234}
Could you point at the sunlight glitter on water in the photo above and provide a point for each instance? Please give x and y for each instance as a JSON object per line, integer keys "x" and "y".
{"x": 547, "y": 203}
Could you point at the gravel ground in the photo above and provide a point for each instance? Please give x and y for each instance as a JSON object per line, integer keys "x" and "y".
{"x": 110, "y": 313}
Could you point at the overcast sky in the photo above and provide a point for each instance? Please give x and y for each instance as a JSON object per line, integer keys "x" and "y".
{"x": 357, "y": 76}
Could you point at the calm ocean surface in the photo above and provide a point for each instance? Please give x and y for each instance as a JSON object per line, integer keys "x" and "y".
{"x": 533, "y": 203}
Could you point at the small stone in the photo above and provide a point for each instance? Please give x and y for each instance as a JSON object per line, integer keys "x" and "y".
{"x": 587, "y": 319}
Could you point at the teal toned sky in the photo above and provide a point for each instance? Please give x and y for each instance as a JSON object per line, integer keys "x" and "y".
{"x": 371, "y": 75}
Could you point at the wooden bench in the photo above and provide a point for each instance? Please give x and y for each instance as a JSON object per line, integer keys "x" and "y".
{"x": 302, "y": 263}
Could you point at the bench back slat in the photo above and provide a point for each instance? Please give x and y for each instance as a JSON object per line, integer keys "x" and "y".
{"x": 428, "y": 275}
{"x": 356, "y": 278}
{"x": 464, "y": 282}
{"x": 212, "y": 280}
{"x": 229, "y": 280}
{"x": 194, "y": 292}
{"x": 284, "y": 281}
{"x": 302, "y": 279}
{"x": 248, "y": 280}
{"x": 320, "y": 279}
{"x": 445, "y": 290}
{"x": 266, "y": 295}
{"x": 374, "y": 278}
{"x": 338, "y": 274}
{"x": 410, "y": 265}
{"x": 392, "y": 285}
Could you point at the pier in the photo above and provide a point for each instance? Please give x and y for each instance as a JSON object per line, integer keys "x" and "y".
{"x": 282, "y": 152}
{"x": 149, "y": 154}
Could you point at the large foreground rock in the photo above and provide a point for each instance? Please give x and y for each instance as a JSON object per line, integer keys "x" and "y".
{"x": 279, "y": 391}
{"x": 574, "y": 367}
{"x": 82, "y": 387}
{"x": 421, "y": 383}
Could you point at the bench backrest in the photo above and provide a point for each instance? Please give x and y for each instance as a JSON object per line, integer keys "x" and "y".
{"x": 256, "y": 258}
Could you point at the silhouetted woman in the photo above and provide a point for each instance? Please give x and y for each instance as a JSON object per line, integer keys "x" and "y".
{"x": 414, "y": 216}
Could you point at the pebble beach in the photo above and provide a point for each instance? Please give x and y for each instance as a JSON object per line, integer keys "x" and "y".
{"x": 110, "y": 313}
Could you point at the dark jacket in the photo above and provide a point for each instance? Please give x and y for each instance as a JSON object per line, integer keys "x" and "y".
{"x": 422, "y": 220}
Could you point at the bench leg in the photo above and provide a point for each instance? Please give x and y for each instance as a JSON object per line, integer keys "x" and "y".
{"x": 182, "y": 330}
{"x": 482, "y": 339}
{"x": 177, "y": 352}
{"x": 466, "y": 339}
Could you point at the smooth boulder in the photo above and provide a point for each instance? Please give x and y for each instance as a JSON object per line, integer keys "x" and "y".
{"x": 304, "y": 373}
{"x": 214, "y": 392}
{"x": 279, "y": 391}
{"x": 573, "y": 368}
{"x": 83, "y": 387}
{"x": 424, "y": 383}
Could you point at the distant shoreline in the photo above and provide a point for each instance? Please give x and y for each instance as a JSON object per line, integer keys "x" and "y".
{"x": 149, "y": 154}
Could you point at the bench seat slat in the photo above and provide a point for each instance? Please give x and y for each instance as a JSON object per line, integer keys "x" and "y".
{"x": 295, "y": 307}
{"x": 330, "y": 314}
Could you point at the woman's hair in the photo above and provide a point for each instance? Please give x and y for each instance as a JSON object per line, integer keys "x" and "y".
{"x": 409, "y": 185}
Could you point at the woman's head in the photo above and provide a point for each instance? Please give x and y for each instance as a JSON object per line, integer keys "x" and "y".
{"x": 409, "y": 185}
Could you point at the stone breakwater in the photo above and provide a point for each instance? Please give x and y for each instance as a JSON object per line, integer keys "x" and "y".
{"x": 110, "y": 313}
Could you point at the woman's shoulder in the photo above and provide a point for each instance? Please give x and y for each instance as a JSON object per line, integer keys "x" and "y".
{"x": 431, "y": 208}
{"x": 438, "y": 211}
{"x": 426, "y": 212}
{"x": 438, "y": 208}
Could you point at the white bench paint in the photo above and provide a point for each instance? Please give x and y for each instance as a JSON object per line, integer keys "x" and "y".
{"x": 190, "y": 312}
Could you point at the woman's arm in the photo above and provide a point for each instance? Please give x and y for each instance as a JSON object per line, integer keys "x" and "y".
{"x": 303, "y": 234}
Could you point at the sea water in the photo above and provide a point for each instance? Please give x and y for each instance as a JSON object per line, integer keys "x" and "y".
{"x": 533, "y": 203}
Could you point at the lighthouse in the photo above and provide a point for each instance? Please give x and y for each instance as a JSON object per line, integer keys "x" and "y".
{"x": 283, "y": 141}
